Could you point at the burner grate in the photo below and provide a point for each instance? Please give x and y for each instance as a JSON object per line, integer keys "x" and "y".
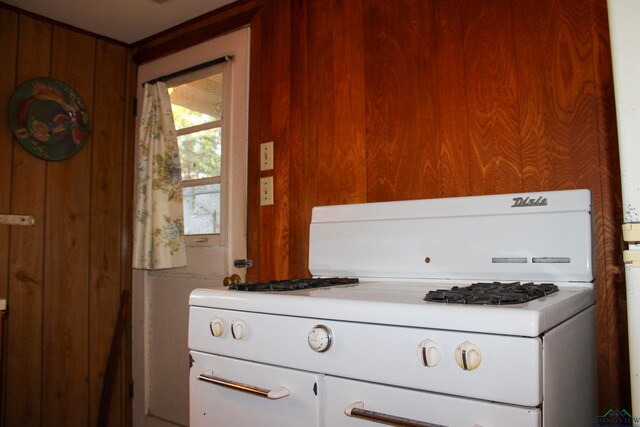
{"x": 494, "y": 293}
{"x": 292, "y": 284}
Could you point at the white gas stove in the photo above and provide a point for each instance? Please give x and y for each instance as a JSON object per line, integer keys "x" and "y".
{"x": 434, "y": 326}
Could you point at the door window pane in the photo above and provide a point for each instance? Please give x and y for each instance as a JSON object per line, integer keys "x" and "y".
{"x": 197, "y": 107}
{"x": 200, "y": 154}
{"x": 201, "y": 209}
{"x": 197, "y": 102}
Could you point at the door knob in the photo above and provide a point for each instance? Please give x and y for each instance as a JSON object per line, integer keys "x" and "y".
{"x": 231, "y": 280}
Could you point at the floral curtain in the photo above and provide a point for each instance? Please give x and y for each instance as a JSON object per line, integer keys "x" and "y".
{"x": 158, "y": 224}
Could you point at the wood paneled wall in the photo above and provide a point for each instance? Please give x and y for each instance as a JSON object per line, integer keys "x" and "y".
{"x": 63, "y": 277}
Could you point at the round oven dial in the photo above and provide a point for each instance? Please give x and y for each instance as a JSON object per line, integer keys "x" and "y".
{"x": 216, "y": 326}
{"x": 468, "y": 356}
{"x": 429, "y": 353}
{"x": 320, "y": 338}
{"x": 238, "y": 329}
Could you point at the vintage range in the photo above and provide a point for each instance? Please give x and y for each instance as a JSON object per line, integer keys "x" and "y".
{"x": 470, "y": 311}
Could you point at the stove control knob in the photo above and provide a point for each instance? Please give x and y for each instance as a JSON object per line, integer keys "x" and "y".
{"x": 468, "y": 356}
{"x": 238, "y": 329}
{"x": 216, "y": 326}
{"x": 429, "y": 353}
{"x": 320, "y": 338}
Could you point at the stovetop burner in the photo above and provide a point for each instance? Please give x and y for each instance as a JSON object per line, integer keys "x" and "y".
{"x": 292, "y": 284}
{"x": 495, "y": 293}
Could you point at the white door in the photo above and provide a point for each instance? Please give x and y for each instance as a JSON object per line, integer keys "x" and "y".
{"x": 214, "y": 189}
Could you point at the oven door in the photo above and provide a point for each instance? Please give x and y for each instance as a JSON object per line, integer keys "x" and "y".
{"x": 356, "y": 403}
{"x": 230, "y": 392}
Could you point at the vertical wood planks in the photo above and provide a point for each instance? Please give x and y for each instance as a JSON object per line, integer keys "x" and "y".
{"x": 107, "y": 167}
{"x": 338, "y": 43}
{"x": 490, "y": 73}
{"x": 65, "y": 272}
{"x": 557, "y": 102}
{"x": 84, "y": 215}
{"x": 321, "y": 54}
{"x": 453, "y": 137}
{"x": 26, "y": 282}
{"x": 381, "y": 76}
{"x": 254, "y": 228}
{"x": 534, "y": 46}
{"x": 280, "y": 121}
{"x": 402, "y": 148}
{"x": 67, "y": 251}
{"x": 276, "y": 108}
{"x": 8, "y": 51}
{"x": 612, "y": 320}
{"x": 126, "y": 236}
{"x": 303, "y": 157}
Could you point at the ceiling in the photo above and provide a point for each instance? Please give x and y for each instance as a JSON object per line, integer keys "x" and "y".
{"x": 127, "y": 21}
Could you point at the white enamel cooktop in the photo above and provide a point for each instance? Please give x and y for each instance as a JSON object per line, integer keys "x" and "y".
{"x": 402, "y": 304}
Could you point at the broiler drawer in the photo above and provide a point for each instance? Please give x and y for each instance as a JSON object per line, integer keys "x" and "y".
{"x": 415, "y": 408}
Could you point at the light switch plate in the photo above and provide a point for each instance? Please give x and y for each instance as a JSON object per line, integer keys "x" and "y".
{"x": 266, "y": 191}
{"x": 266, "y": 156}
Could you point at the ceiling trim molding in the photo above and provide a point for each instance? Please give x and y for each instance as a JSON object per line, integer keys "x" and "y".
{"x": 220, "y": 21}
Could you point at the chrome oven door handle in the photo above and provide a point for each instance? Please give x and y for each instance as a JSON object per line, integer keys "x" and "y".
{"x": 356, "y": 410}
{"x": 276, "y": 393}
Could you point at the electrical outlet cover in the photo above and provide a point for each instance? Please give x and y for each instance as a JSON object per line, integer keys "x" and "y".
{"x": 266, "y": 156}
{"x": 266, "y": 191}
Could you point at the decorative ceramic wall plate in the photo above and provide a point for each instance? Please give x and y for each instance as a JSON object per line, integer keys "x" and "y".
{"x": 48, "y": 118}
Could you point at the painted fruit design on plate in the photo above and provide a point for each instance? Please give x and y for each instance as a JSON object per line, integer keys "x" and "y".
{"x": 49, "y": 119}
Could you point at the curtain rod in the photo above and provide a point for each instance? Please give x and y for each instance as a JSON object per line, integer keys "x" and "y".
{"x": 190, "y": 69}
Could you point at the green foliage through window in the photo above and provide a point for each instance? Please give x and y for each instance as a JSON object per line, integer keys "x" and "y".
{"x": 200, "y": 154}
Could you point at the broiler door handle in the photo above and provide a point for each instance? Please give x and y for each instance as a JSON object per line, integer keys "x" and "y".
{"x": 276, "y": 393}
{"x": 356, "y": 409}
